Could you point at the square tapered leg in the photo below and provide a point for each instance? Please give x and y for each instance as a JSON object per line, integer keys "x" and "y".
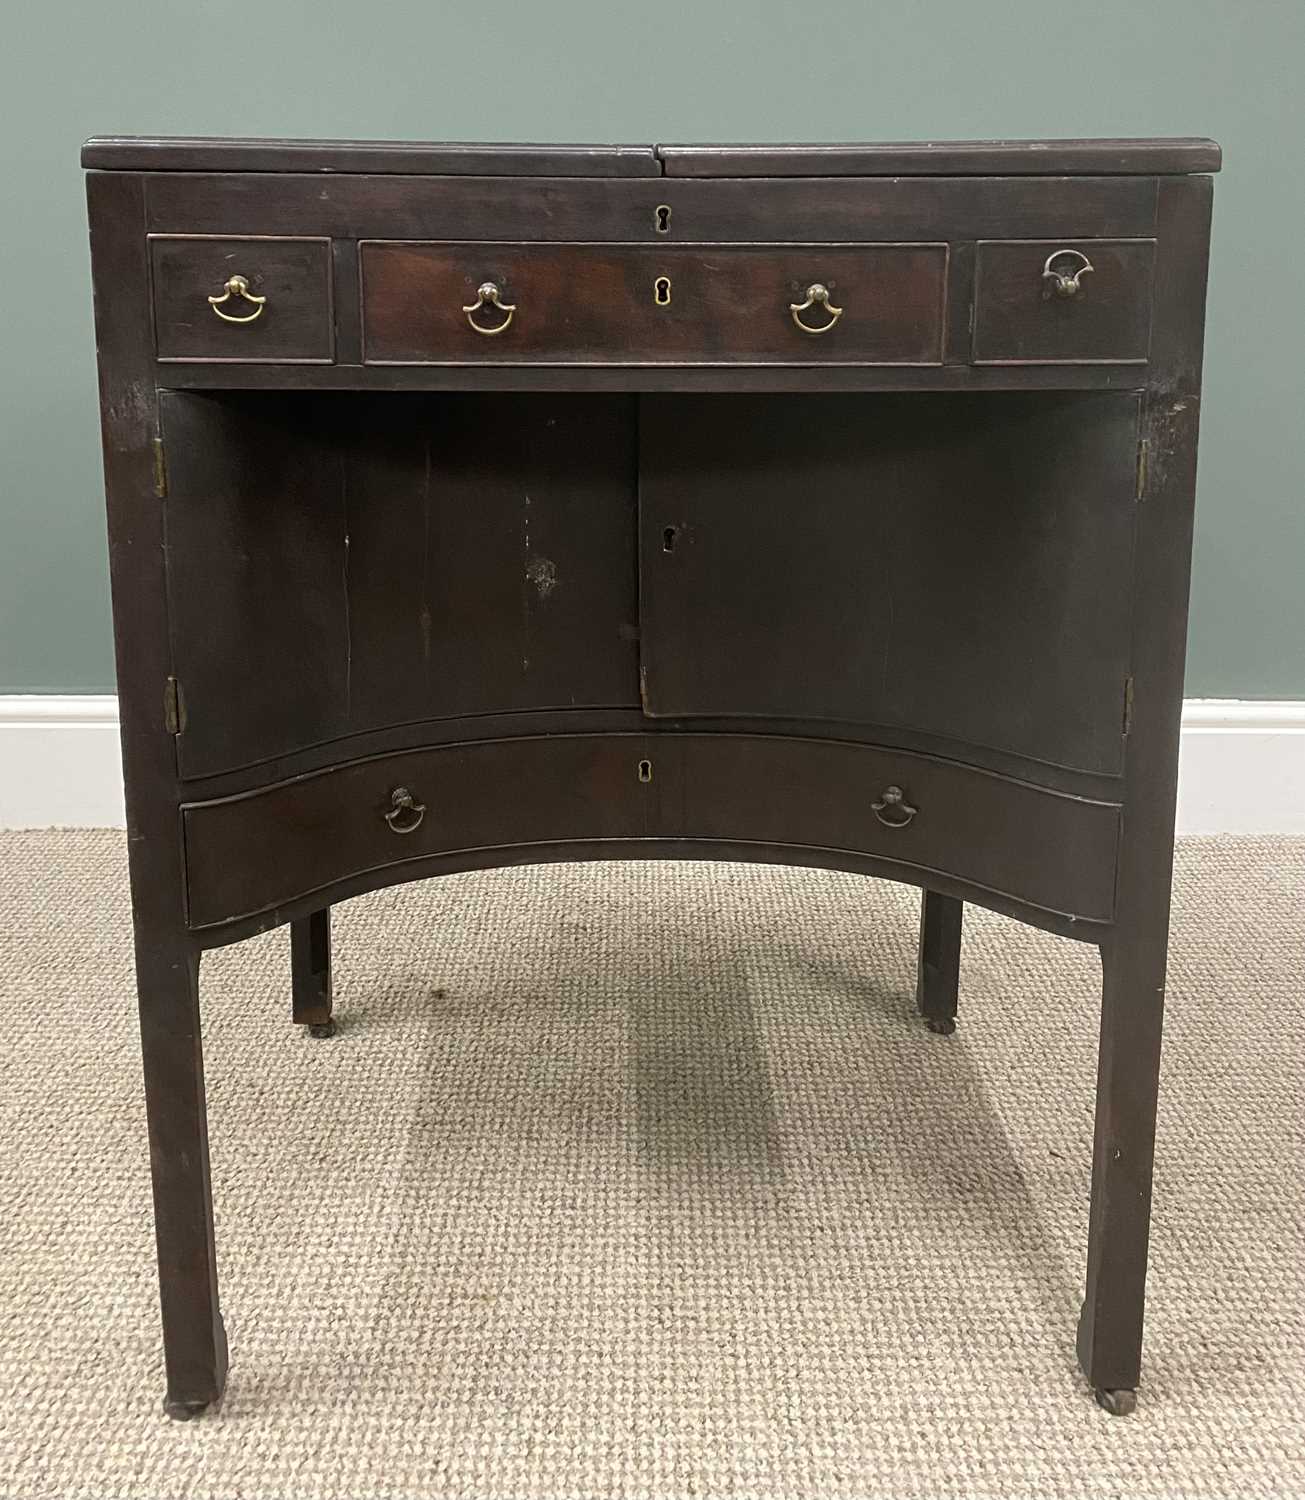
{"x": 310, "y": 972}
{"x": 938, "y": 973}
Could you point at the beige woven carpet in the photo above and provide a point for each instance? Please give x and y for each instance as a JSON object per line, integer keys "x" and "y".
{"x": 644, "y": 1180}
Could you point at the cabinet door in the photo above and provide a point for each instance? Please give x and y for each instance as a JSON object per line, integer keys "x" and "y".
{"x": 340, "y": 562}
{"x": 956, "y": 565}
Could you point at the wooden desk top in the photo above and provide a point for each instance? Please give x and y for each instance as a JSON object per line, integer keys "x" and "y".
{"x": 1087, "y": 158}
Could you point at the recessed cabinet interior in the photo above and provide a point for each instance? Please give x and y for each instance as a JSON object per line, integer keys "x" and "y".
{"x": 435, "y": 557}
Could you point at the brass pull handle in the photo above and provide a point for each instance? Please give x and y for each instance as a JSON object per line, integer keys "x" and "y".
{"x": 892, "y": 809}
{"x": 406, "y": 813}
{"x": 487, "y": 296}
{"x": 1062, "y": 282}
{"x": 237, "y": 286}
{"x": 815, "y": 294}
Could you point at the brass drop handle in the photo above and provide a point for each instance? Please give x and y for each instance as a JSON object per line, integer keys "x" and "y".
{"x": 406, "y": 813}
{"x": 487, "y": 295}
{"x": 238, "y": 287}
{"x": 815, "y": 294}
{"x": 1062, "y": 282}
{"x": 892, "y": 809}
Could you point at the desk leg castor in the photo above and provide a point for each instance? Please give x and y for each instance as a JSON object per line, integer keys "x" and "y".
{"x": 183, "y": 1411}
{"x": 1117, "y": 1403}
{"x": 939, "y": 970}
{"x": 323, "y": 1029}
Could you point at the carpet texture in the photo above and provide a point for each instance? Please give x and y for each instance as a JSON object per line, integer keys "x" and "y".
{"x": 645, "y": 1180}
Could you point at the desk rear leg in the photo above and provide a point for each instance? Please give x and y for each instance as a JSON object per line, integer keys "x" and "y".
{"x": 310, "y": 972}
{"x": 938, "y": 973}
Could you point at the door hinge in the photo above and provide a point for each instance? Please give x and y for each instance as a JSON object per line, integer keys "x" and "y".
{"x": 1143, "y": 448}
{"x": 160, "y": 469}
{"x": 174, "y": 714}
{"x": 1128, "y": 704}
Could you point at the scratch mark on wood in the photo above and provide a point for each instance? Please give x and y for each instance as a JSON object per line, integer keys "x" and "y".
{"x": 525, "y": 591}
{"x": 542, "y": 574}
{"x": 348, "y": 616}
{"x": 425, "y": 619}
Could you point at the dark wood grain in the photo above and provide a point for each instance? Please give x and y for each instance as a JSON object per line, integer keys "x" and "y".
{"x": 333, "y": 825}
{"x": 167, "y": 960}
{"x": 594, "y": 303}
{"x": 200, "y": 154}
{"x": 295, "y": 324}
{"x": 982, "y": 545}
{"x": 609, "y": 375}
{"x": 571, "y": 851}
{"x": 1134, "y": 954}
{"x": 1106, "y": 158}
{"x": 946, "y": 158}
{"x": 642, "y": 581}
{"x": 1019, "y": 319}
{"x": 312, "y": 998}
{"x": 995, "y": 834}
{"x": 938, "y": 969}
{"x": 415, "y": 558}
{"x": 793, "y": 210}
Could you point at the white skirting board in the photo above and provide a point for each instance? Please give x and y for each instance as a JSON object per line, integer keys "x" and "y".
{"x": 1242, "y": 769}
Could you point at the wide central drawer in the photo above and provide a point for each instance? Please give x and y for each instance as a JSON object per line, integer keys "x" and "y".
{"x": 256, "y": 851}
{"x": 426, "y": 302}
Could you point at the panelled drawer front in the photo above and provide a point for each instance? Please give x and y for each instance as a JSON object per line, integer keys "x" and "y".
{"x": 1056, "y": 851}
{"x": 249, "y": 853}
{"x": 1062, "y": 301}
{"x": 242, "y": 300}
{"x": 612, "y": 304}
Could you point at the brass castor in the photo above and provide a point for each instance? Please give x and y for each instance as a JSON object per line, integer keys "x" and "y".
{"x": 323, "y": 1029}
{"x": 1117, "y": 1403}
{"x": 941, "y": 1027}
{"x": 183, "y": 1411}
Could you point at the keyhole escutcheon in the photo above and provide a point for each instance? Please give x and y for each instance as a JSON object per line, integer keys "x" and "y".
{"x": 662, "y": 218}
{"x": 662, "y": 291}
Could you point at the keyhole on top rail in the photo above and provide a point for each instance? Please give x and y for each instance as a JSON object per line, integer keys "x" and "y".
{"x": 645, "y": 770}
{"x": 668, "y": 539}
{"x": 662, "y": 219}
{"x": 662, "y": 291}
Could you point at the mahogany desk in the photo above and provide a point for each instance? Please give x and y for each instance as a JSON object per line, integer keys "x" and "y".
{"x": 481, "y": 505}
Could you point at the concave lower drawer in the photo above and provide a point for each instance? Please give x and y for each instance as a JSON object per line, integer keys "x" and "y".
{"x": 449, "y": 303}
{"x": 254, "y": 852}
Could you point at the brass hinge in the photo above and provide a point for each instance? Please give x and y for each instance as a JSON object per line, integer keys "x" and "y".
{"x": 174, "y": 714}
{"x": 160, "y": 469}
{"x": 1128, "y": 704}
{"x": 1142, "y": 450}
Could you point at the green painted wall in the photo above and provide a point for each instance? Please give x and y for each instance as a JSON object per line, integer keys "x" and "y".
{"x": 607, "y": 70}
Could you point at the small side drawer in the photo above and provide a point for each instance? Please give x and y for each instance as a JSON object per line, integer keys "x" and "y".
{"x": 1040, "y": 302}
{"x": 242, "y": 300}
{"x": 596, "y": 304}
{"x": 252, "y": 852}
